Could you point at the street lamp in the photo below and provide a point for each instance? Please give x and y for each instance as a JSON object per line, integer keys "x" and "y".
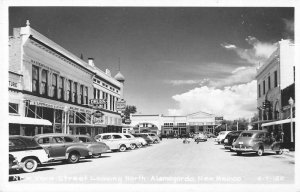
{"x": 291, "y": 102}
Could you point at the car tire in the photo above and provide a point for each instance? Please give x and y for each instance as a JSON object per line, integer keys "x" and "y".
{"x": 279, "y": 152}
{"x": 155, "y": 141}
{"x": 238, "y": 153}
{"x": 132, "y": 146}
{"x": 122, "y": 148}
{"x": 260, "y": 151}
{"x": 139, "y": 145}
{"x": 73, "y": 157}
{"x": 30, "y": 165}
{"x": 96, "y": 155}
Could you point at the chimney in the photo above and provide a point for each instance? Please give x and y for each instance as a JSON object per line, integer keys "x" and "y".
{"x": 91, "y": 62}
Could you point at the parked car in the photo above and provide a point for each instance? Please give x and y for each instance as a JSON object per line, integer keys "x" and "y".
{"x": 115, "y": 141}
{"x": 230, "y": 138}
{"x": 63, "y": 147}
{"x": 210, "y": 135}
{"x": 26, "y": 151}
{"x": 155, "y": 138}
{"x": 221, "y": 137}
{"x": 147, "y": 138}
{"x": 97, "y": 148}
{"x": 256, "y": 141}
{"x": 136, "y": 142}
{"x": 200, "y": 137}
{"x": 14, "y": 163}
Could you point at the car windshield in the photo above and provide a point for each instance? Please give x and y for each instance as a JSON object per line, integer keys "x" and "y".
{"x": 127, "y": 136}
{"x": 246, "y": 134}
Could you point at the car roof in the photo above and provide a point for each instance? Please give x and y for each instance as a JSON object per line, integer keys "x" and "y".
{"x": 255, "y": 131}
{"x": 81, "y": 136}
{"x": 53, "y": 134}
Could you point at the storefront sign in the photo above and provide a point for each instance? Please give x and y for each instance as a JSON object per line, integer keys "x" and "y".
{"x": 121, "y": 105}
{"x": 42, "y": 104}
{"x": 97, "y": 101}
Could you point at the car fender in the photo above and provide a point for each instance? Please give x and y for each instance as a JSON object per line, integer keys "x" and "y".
{"x": 257, "y": 145}
{"x": 83, "y": 150}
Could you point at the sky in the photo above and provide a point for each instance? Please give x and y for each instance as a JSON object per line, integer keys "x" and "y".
{"x": 176, "y": 60}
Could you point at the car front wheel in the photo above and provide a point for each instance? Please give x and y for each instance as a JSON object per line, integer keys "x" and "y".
{"x": 132, "y": 146}
{"x": 73, "y": 157}
{"x": 122, "y": 148}
{"x": 96, "y": 155}
{"x": 260, "y": 152}
{"x": 279, "y": 152}
{"x": 30, "y": 165}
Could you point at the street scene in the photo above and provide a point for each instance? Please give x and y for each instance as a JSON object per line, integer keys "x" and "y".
{"x": 150, "y": 95}
{"x": 163, "y": 164}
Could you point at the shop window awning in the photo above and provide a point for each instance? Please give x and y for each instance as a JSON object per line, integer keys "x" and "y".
{"x": 278, "y": 122}
{"x": 28, "y": 120}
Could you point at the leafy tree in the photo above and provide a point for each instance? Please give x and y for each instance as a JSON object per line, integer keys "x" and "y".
{"x": 130, "y": 109}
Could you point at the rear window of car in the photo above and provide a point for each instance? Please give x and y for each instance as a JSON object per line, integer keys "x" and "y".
{"x": 16, "y": 143}
{"x": 117, "y": 136}
{"x": 246, "y": 134}
{"x": 44, "y": 140}
{"x": 106, "y": 137}
{"x": 57, "y": 140}
{"x": 83, "y": 139}
{"x": 127, "y": 136}
{"x": 69, "y": 140}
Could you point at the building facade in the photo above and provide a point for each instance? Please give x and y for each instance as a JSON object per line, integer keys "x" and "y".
{"x": 275, "y": 86}
{"x": 50, "y": 88}
{"x": 166, "y": 125}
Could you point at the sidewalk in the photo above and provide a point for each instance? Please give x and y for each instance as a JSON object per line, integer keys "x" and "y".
{"x": 288, "y": 153}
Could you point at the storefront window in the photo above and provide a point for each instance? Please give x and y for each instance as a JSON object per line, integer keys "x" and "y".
{"x": 60, "y": 88}
{"x": 14, "y": 129}
{"x": 80, "y": 117}
{"x": 44, "y": 82}
{"x": 54, "y": 85}
{"x": 58, "y": 116}
{"x": 71, "y": 116}
{"x": 35, "y": 79}
{"x": 48, "y": 129}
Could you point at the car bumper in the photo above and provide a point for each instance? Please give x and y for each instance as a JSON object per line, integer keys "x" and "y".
{"x": 242, "y": 149}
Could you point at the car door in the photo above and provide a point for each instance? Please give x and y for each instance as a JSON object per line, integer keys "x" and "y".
{"x": 107, "y": 139}
{"x": 58, "y": 147}
{"x": 117, "y": 139}
{"x": 45, "y": 143}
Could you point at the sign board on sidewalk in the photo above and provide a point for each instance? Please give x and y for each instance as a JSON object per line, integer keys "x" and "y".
{"x": 121, "y": 105}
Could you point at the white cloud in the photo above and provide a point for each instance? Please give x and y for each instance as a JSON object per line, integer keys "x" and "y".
{"x": 232, "y": 102}
{"x": 238, "y": 69}
{"x": 228, "y": 46}
{"x": 259, "y": 52}
{"x": 239, "y": 75}
{"x": 186, "y": 82}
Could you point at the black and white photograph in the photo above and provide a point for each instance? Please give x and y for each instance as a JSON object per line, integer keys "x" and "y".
{"x": 125, "y": 96}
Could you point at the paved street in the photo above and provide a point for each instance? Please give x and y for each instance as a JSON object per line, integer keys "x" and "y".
{"x": 171, "y": 162}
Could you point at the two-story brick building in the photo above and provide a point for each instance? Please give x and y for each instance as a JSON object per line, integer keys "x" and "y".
{"x": 50, "y": 88}
{"x": 275, "y": 86}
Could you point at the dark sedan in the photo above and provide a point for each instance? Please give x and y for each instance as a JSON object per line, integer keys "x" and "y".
{"x": 230, "y": 138}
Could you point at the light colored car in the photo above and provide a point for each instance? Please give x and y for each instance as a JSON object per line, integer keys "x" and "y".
{"x": 155, "y": 138}
{"x": 115, "y": 141}
{"x": 200, "y": 137}
{"x": 134, "y": 142}
{"x": 221, "y": 137}
{"x": 63, "y": 146}
{"x": 26, "y": 151}
{"x": 97, "y": 148}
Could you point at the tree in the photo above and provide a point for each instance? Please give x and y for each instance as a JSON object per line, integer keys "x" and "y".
{"x": 130, "y": 109}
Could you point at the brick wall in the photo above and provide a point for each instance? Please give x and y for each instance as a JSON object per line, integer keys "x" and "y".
{"x": 15, "y": 52}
